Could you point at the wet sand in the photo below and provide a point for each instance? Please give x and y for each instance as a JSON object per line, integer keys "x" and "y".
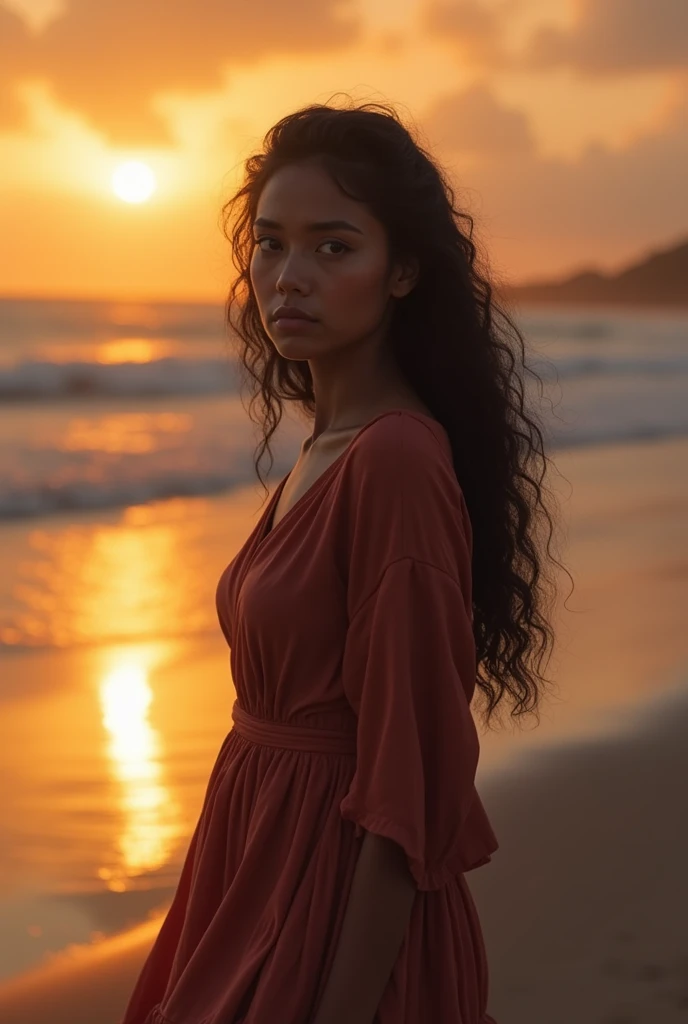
{"x": 583, "y": 905}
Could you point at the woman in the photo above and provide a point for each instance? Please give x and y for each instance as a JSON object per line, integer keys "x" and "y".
{"x": 393, "y": 569}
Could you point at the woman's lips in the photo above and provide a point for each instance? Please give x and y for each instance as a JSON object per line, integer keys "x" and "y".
{"x": 293, "y": 323}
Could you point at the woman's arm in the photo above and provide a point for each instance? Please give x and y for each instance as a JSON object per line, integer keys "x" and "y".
{"x": 375, "y": 921}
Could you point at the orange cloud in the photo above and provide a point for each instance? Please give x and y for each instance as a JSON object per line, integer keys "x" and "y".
{"x": 472, "y": 29}
{"x": 107, "y": 60}
{"x": 15, "y": 47}
{"x": 602, "y": 205}
{"x": 474, "y": 122}
{"x": 616, "y": 36}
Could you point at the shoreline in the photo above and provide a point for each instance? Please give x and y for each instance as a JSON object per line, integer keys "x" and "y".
{"x": 578, "y": 905}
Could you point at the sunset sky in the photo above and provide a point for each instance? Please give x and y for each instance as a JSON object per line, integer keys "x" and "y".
{"x": 564, "y": 124}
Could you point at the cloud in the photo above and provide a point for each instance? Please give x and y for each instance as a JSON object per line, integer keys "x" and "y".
{"x": 472, "y": 29}
{"x": 604, "y": 204}
{"x": 15, "y": 58}
{"x": 473, "y": 122}
{"x": 611, "y": 36}
{"x": 106, "y": 60}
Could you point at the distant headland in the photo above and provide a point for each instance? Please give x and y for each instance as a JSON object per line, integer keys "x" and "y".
{"x": 658, "y": 279}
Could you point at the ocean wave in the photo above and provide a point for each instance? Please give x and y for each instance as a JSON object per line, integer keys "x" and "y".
{"x": 36, "y": 380}
{"x": 19, "y": 501}
{"x": 33, "y": 380}
{"x": 588, "y": 366}
{"x": 132, "y": 483}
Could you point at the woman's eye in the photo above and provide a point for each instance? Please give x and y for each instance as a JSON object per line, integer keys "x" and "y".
{"x": 269, "y": 238}
{"x": 265, "y": 238}
{"x": 344, "y": 248}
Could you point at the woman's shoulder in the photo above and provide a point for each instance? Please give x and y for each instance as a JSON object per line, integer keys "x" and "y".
{"x": 401, "y": 468}
{"x": 401, "y": 442}
{"x": 401, "y": 430}
{"x": 402, "y": 499}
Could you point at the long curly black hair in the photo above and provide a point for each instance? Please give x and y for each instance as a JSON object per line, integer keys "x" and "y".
{"x": 469, "y": 371}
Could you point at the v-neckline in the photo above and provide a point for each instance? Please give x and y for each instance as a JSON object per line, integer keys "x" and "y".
{"x": 267, "y": 529}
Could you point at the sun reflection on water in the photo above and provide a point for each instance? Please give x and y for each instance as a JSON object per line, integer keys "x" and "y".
{"x": 151, "y": 817}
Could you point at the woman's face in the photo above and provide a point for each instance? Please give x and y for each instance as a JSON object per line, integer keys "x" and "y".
{"x": 319, "y": 250}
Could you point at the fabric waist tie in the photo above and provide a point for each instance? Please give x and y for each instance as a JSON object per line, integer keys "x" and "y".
{"x": 292, "y": 737}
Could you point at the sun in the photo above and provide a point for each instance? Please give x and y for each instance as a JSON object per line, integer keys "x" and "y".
{"x": 134, "y": 182}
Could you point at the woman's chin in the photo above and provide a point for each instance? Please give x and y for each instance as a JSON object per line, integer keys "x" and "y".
{"x": 295, "y": 346}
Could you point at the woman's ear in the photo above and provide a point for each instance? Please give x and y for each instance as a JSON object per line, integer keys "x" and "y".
{"x": 404, "y": 277}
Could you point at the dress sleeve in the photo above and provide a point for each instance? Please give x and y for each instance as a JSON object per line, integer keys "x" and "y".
{"x": 409, "y": 661}
{"x": 408, "y": 664}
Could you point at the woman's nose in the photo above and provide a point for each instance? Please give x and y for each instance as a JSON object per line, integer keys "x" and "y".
{"x": 292, "y": 274}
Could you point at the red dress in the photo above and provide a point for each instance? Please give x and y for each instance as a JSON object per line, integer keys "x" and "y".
{"x": 352, "y": 653}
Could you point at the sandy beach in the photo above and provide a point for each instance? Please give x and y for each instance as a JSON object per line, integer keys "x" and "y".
{"x": 582, "y": 909}
{"x": 582, "y": 906}
{"x": 479, "y": 209}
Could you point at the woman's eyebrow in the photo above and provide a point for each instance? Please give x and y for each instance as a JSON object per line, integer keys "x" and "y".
{"x": 321, "y": 225}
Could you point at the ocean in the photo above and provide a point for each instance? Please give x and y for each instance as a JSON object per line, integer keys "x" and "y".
{"x": 107, "y": 405}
